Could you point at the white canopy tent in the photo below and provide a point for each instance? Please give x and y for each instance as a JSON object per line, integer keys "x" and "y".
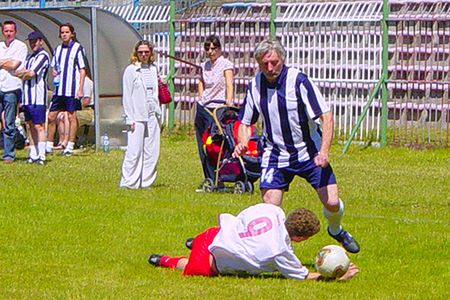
{"x": 108, "y": 41}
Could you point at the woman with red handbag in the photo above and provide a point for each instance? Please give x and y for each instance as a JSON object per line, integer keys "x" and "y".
{"x": 142, "y": 113}
{"x": 216, "y": 83}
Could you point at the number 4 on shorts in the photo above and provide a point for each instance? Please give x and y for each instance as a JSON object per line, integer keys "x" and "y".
{"x": 267, "y": 175}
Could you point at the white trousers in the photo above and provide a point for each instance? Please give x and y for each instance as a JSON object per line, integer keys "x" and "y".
{"x": 142, "y": 154}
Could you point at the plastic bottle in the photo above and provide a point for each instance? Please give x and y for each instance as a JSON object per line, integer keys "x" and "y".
{"x": 57, "y": 79}
{"x": 105, "y": 143}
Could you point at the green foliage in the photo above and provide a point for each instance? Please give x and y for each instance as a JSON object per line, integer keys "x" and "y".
{"x": 68, "y": 231}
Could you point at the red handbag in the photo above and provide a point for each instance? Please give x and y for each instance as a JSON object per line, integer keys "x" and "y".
{"x": 163, "y": 93}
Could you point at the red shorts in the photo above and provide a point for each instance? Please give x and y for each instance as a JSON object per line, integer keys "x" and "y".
{"x": 199, "y": 260}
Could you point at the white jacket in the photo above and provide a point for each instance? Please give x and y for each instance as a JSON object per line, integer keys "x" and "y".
{"x": 135, "y": 106}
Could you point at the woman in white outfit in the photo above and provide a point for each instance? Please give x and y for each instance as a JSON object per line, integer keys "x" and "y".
{"x": 142, "y": 112}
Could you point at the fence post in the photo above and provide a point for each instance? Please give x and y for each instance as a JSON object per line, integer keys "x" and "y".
{"x": 385, "y": 61}
{"x": 381, "y": 84}
{"x": 135, "y": 9}
{"x": 171, "y": 64}
{"x": 273, "y": 15}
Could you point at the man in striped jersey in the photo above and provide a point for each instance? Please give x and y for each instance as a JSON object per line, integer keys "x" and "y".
{"x": 294, "y": 144}
{"x": 12, "y": 54}
{"x": 34, "y": 76}
{"x": 68, "y": 65}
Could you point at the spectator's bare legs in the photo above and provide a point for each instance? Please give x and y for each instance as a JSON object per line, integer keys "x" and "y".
{"x": 36, "y": 136}
{"x": 272, "y": 196}
{"x": 32, "y": 138}
{"x": 63, "y": 124}
{"x": 73, "y": 126}
{"x": 51, "y": 128}
{"x": 41, "y": 140}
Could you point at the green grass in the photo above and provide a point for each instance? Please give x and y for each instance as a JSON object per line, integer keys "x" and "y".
{"x": 68, "y": 232}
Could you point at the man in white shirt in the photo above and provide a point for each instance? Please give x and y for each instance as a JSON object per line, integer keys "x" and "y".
{"x": 257, "y": 240}
{"x": 12, "y": 54}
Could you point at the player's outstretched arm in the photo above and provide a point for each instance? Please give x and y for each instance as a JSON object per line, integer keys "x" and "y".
{"x": 313, "y": 276}
{"x": 351, "y": 272}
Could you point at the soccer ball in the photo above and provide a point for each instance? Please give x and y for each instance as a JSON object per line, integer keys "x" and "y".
{"x": 332, "y": 261}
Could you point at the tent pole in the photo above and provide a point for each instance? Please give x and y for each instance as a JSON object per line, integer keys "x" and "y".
{"x": 171, "y": 64}
{"x": 95, "y": 76}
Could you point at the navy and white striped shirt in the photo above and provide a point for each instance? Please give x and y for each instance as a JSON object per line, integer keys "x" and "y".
{"x": 35, "y": 89}
{"x": 69, "y": 59}
{"x": 290, "y": 109}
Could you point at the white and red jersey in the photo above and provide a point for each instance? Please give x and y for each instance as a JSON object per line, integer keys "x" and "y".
{"x": 256, "y": 241}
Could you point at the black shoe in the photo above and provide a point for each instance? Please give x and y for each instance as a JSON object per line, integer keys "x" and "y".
{"x": 189, "y": 243}
{"x": 346, "y": 240}
{"x": 154, "y": 259}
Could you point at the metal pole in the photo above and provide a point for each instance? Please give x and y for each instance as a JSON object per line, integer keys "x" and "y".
{"x": 135, "y": 6}
{"x": 380, "y": 84}
{"x": 363, "y": 115}
{"x": 95, "y": 76}
{"x": 384, "y": 76}
{"x": 171, "y": 64}
{"x": 273, "y": 15}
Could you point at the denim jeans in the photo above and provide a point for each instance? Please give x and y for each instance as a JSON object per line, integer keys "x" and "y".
{"x": 202, "y": 121}
{"x": 8, "y": 106}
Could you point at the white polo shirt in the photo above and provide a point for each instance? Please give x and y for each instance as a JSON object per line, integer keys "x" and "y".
{"x": 17, "y": 50}
{"x": 88, "y": 90}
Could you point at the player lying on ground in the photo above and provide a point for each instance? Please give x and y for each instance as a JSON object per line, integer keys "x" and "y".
{"x": 257, "y": 240}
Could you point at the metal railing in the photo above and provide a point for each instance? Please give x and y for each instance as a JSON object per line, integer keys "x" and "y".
{"x": 340, "y": 45}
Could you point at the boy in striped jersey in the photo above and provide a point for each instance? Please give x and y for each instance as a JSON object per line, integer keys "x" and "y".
{"x": 34, "y": 76}
{"x": 68, "y": 60}
{"x": 294, "y": 144}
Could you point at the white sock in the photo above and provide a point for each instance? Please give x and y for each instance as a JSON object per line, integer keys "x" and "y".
{"x": 334, "y": 218}
{"x": 33, "y": 154}
{"x": 70, "y": 146}
{"x": 41, "y": 150}
{"x": 49, "y": 145}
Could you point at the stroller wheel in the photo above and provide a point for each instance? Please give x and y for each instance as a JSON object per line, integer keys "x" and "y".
{"x": 239, "y": 188}
{"x": 250, "y": 187}
{"x": 208, "y": 185}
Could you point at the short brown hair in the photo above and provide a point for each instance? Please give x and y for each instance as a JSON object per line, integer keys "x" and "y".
{"x": 302, "y": 222}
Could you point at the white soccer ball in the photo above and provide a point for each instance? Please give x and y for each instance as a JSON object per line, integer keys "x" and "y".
{"x": 332, "y": 261}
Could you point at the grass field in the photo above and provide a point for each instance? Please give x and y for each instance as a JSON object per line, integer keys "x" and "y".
{"x": 68, "y": 232}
